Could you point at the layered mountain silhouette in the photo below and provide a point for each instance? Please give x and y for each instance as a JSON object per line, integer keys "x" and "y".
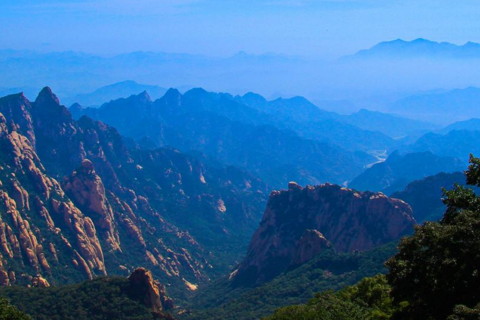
{"x": 389, "y": 124}
{"x": 114, "y": 91}
{"x": 456, "y": 143}
{"x": 277, "y": 140}
{"x": 398, "y": 170}
{"x": 425, "y": 195}
{"x": 442, "y": 107}
{"x": 78, "y": 201}
{"x": 470, "y": 125}
{"x": 421, "y": 48}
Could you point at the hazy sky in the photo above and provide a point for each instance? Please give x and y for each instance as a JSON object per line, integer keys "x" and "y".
{"x": 223, "y": 27}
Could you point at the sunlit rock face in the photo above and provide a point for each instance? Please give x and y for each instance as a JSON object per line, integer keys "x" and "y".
{"x": 76, "y": 202}
{"x": 299, "y": 223}
{"x": 150, "y": 291}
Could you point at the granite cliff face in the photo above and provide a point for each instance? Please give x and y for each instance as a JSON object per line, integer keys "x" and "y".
{"x": 150, "y": 291}
{"x": 299, "y": 223}
{"x": 86, "y": 189}
{"x": 76, "y": 202}
{"x": 36, "y": 216}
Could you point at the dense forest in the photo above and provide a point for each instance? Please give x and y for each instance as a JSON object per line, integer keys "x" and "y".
{"x": 434, "y": 275}
{"x": 99, "y": 299}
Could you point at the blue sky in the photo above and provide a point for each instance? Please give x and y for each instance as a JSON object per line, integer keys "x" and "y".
{"x": 220, "y": 28}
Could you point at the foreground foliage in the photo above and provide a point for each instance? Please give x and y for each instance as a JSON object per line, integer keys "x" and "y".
{"x": 9, "y": 312}
{"x": 437, "y": 270}
{"x": 99, "y": 299}
{"x": 328, "y": 271}
{"x": 369, "y": 300}
{"x": 434, "y": 276}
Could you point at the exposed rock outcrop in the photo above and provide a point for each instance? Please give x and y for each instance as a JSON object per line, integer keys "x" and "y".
{"x": 311, "y": 243}
{"x": 301, "y": 222}
{"x": 86, "y": 189}
{"x": 27, "y": 194}
{"x": 40, "y": 282}
{"x": 150, "y": 292}
{"x": 116, "y": 206}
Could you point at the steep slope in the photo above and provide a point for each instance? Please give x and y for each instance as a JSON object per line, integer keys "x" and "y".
{"x": 42, "y": 230}
{"x": 456, "y": 143}
{"x": 398, "y": 170}
{"x": 309, "y": 121}
{"x": 425, "y": 195}
{"x": 230, "y": 133}
{"x": 77, "y": 202}
{"x": 300, "y": 223}
{"x": 297, "y": 109}
{"x": 326, "y": 271}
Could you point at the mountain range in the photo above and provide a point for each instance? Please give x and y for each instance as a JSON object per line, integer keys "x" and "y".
{"x": 181, "y": 186}
{"x": 261, "y": 139}
{"x": 114, "y": 91}
{"x": 443, "y": 108}
{"x": 398, "y": 170}
{"x": 344, "y": 82}
{"x": 79, "y": 202}
{"x": 421, "y": 48}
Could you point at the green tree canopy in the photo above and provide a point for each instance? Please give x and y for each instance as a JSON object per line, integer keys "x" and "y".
{"x": 436, "y": 272}
{"x": 367, "y": 300}
{"x": 9, "y": 312}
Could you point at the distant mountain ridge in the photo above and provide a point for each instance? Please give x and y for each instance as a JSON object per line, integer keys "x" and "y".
{"x": 440, "y": 107}
{"x": 455, "y": 143}
{"x": 420, "y": 48}
{"x": 469, "y": 125}
{"x": 277, "y": 140}
{"x": 114, "y": 91}
{"x": 68, "y": 71}
{"x": 398, "y": 170}
{"x": 392, "y": 125}
{"x": 425, "y": 195}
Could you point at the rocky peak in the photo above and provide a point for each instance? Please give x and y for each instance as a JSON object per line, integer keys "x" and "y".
{"x": 76, "y": 107}
{"x": 40, "y": 282}
{"x": 144, "y": 96}
{"x": 149, "y": 291}
{"x": 118, "y": 207}
{"x": 46, "y": 96}
{"x": 299, "y": 223}
{"x": 17, "y": 109}
{"x": 254, "y": 100}
{"x": 172, "y": 97}
{"x": 86, "y": 167}
{"x": 292, "y": 185}
{"x": 48, "y": 110}
{"x": 135, "y": 100}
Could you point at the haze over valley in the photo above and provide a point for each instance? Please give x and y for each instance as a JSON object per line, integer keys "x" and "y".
{"x": 205, "y": 159}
